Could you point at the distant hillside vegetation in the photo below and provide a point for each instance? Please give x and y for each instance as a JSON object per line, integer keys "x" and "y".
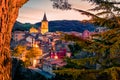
{"x": 59, "y": 25}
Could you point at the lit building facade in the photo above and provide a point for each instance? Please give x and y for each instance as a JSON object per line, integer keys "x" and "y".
{"x": 43, "y": 28}
{"x": 44, "y": 25}
{"x": 33, "y": 30}
{"x": 18, "y": 35}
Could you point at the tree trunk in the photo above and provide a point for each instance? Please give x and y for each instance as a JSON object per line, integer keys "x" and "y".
{"x": 8, "y": 14}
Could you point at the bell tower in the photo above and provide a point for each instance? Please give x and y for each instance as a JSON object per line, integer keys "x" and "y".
{"x": 44, "y": 25}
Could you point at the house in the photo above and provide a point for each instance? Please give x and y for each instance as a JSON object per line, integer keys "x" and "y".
{"x": 51, "y": 64}
{"x": 18, "y": 35}
{"x": 33, "y": 30}
{"x": 86, "y": 34}
{"x": 101, "y": 29}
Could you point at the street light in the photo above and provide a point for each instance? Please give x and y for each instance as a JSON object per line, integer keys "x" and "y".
{"x": 34, "y": 62}
{"x": 56, "y": 57}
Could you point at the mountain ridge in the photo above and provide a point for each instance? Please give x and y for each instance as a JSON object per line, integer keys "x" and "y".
{"x": 57, "y": 25}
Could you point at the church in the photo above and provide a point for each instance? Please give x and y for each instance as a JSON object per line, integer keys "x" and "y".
{"x": 43, "y": 27}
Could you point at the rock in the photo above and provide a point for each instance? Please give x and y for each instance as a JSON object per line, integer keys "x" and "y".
{"x": 19, "y": 72}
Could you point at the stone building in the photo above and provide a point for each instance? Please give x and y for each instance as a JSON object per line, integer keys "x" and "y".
{"x": 44, "y": 25}
{"x": 43, "y": 28}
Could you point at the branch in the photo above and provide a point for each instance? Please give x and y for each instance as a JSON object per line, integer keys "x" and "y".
{"x": 86, "y": 13}
{"x": 103, "y": 1}
{"x": 112, "y": 2}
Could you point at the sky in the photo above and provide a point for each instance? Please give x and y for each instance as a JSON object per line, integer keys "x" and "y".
{"x": 34, "y": 10}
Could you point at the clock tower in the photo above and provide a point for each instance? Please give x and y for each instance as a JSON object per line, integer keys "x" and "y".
{"x": 44, "y": 25}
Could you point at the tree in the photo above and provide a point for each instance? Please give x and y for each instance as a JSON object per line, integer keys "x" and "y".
{"x": 78, "y": 44}
{"x": 61, "y": 4}
{"x": 27, "y": 56}
{"x": 107, "y": 16}
{"x": 107, "y": 46}
{"x": 19, "y": 51}
{"x": 8, "y": 14}
{"x": 107, "y": 11}
{"x": 82, "y": 74}
{"x": 108, "y": 41}
{"x": 32, "y": 54}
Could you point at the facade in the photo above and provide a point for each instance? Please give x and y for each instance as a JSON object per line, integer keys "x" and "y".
{"x": 18, "y": 35}
{"x": 86, "y": 35}
{"x": 43, "y": 28}
{"x": 47, "y": 67}
{"x": 44, "y": 25}
{"x": 101, "y": 29}
{"x": 33, "y": 30}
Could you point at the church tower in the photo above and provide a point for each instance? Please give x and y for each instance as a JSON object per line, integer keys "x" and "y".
{"x": 44, "y": 25}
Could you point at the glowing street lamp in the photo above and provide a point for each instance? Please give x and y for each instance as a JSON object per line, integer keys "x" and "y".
{"x": 34, "y": 62}
{"x": 56, "y": 57}
{"x": 36, "y": 46}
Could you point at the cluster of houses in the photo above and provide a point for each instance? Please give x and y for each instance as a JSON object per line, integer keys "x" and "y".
{"x": 52, "y": 47}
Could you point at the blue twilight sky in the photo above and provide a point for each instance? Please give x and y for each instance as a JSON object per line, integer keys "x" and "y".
{"x": 33, "y": 11}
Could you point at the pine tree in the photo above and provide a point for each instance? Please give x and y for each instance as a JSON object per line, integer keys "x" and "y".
{"x": 108, "y": 16}
{"x": 106, "y": 46}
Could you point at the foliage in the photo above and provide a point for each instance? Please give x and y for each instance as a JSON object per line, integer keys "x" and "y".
{"x": 109, "y": 40}
{"x": 76, "y": 74}
{"x": 71, "y": 37}
{"x": 106, "y": 45}
{"x": 27, "y": 63}
{"x": 19, "y": 51}
{"x": 106, "y": 55}
{"x": 83, "y": 74}
{"x": 75, "y": 48}
{"x": 61, "y": 4}
{"x": 85, "y": 63}
{"x": 31, "y": 55}
{"x": 33, "y": 52}
{"x": 79, "y": 43}
{"x": 26, "y": 55}
{"x": 109, "y": 74}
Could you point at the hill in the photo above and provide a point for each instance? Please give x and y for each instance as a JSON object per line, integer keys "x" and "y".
{"x": 59, "y": 25}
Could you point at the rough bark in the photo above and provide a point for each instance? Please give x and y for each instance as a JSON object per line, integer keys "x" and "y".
{"x": 8, "y": 14}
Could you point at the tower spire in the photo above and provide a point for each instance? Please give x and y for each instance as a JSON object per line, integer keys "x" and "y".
{"x": 44, "y": 18}
{"x": 44, "y": 25}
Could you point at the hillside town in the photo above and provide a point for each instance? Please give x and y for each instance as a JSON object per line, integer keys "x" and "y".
{"x": 75, "y": 40}
{"x": 52, "y": 49}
